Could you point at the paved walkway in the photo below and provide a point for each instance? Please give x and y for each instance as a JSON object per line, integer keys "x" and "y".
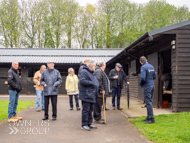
{"x": 136, "y": 110}
{"x": 67, "y": 127}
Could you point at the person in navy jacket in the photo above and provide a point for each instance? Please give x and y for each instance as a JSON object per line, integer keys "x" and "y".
{"x": 88, "y": 87}
{"x": 148, "y": 76}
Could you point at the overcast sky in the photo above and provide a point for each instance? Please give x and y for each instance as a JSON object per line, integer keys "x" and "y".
{"x": 174, "y": 2}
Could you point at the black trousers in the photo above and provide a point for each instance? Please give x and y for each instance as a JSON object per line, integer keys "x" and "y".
{"x": 54, "y": 105}
{"x": 98, "y": 108}
{"x": 76, "y": 100}
{"x": 87, "y": 109}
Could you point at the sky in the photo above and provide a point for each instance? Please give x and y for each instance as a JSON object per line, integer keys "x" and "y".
{"x": 173, "y": 2}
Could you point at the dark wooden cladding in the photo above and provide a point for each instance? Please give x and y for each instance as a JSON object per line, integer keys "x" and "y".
{"x": 133, "y": 86}
{"x": 153, "y": 60}
{"x": 133, "y": 80}
{"x": 28, "y": 86}
{"x": 184, "y": 36}
{"x": 3, "y": 77}
{"x": 181, "y": 70}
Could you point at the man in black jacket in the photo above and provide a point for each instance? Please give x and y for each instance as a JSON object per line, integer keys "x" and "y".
{"x": 104, "y": 88}
{"x": 117, "y": 76}
{"x": 14, "y": 89}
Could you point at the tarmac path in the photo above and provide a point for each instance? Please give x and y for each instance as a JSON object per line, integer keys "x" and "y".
{"x": 67, "y": 127}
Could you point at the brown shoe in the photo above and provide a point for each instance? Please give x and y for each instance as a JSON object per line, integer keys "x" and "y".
{"x": 107, "y": 109}
{"x": 16, "y": 117}
{"x": 12, "y": 120}
{"x": 38, "y": 110}
{"x": 119, "y": 108}
{"x": 113, "y": 108}
{"x": 101, "y": 121}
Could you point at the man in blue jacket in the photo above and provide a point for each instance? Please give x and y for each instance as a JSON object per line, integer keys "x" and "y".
{"x": 148, "y": 76}
{"x": 50, "y": 79}
{"x": 88, "y": 87}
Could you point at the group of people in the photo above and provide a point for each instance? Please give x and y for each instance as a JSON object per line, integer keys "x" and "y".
{"x": 89, "y": 86}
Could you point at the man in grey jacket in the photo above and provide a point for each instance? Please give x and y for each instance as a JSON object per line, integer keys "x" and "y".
{"x": 50, "y": 79}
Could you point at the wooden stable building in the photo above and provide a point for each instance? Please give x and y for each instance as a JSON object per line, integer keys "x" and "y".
{"x": 168, "y": 50}
{"x": 30, "y": 61}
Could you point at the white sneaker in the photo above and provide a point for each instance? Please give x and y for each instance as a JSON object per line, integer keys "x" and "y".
{"x": 85, "y": 128}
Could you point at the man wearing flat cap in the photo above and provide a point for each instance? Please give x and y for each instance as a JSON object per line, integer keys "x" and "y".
{"x": 117, "y": 76}
{"x": 50, "y": 79}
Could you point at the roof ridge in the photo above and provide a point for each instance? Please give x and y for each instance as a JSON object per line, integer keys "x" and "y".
{"x": 57, "y": 55}
{"x": 55, "y": 49}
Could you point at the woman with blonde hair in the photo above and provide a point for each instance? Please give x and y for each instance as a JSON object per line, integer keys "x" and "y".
{"x": 71, "y": 86}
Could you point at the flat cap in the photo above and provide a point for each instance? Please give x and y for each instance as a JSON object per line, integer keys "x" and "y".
{"x": 118, "y": 65}
{"x": 50, "y": 62}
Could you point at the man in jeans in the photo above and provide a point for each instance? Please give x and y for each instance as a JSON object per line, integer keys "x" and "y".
{"x": 117, "y": 76}
{"x": 148, "y": 76}
{"x": 39, "y": 88}
{"x": 14, "y": 89}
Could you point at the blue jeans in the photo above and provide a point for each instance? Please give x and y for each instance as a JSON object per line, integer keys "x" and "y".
{"x": 71, "y": 100}
{"x": 114, "y": 92}
{"x": 39, "y": 94}
{"x": 13, "y": 102}
{"x": 148, "y": 96}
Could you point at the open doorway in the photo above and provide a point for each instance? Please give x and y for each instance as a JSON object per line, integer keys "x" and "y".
{"x": 165, "y": 80}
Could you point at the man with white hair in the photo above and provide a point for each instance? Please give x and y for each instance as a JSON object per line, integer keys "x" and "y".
{"x": 50, "y": 79}
{"x": 88, "y": 94}
{"x": 14, "y": 89}
{"x": 39, "y": 88}
{"x": 104, "y": 88}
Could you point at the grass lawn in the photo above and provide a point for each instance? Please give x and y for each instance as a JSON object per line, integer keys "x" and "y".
{"x": 21, "y": 106}
{"x": 172, "y": 128}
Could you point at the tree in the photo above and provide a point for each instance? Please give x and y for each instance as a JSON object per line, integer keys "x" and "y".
{"x": 32, "y": 22}
{"x": 56, "y": 20}
{"x": 66, "y": 24}
{"x": 157, "y": 14}
{"x": 107, "y": 8}
{"x": 70, "y": 14}
{"x": 81, "y": 28}
{"x": 10, "y": 22}
{"x": 181, "y": 14}
{"x": 91, "y": 15}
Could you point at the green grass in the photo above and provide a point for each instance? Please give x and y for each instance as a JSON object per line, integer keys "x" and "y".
{"x": 21, "y": 106}
{"x": 172, "y": 128}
